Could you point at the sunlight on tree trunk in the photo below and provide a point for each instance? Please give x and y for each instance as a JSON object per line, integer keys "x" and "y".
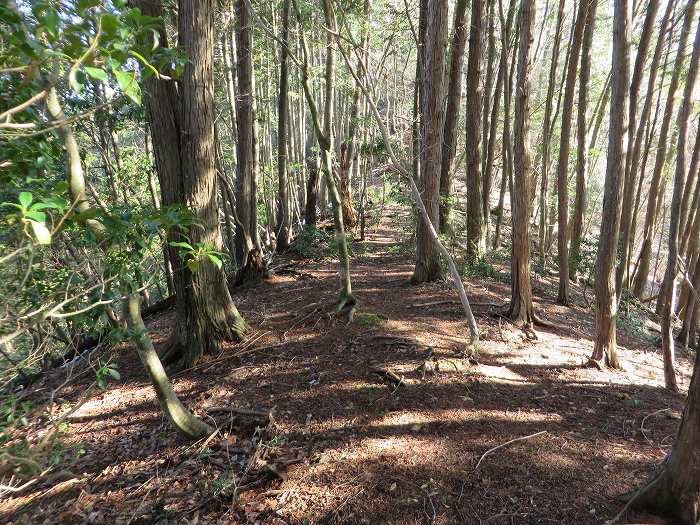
{"x": 606, "y": 301}
{"x": 182, "y": 419}
{"x": 211, "y": 314}
{"x": 427, "y": 259}
{"x": 521, "y": 309}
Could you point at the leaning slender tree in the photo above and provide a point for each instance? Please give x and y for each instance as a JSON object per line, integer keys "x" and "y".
{"x": 324, "y": 136}
{"x": 606, "y": 301}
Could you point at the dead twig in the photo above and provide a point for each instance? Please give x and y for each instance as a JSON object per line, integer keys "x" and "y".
{"x": 390, "y": 376}
{"x": 331, "y": 515}
{"x": 240, "y": 411}
{"x": 433, "y": 303}
{"x": 494, "y": 449}
{"x": 647, "y": 417}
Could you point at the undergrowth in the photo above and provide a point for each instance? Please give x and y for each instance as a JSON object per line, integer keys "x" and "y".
{"x": 318, "y": 243}
{"x": 371, "y": 320}
{"x": 632, "y": 318}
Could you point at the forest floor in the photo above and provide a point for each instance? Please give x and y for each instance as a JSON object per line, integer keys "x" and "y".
{"x": 349, "y": 445}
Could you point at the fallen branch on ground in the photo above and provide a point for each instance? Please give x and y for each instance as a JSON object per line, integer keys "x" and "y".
{"x": 240, "y": 411}
{"x": 647, "y": 417}
{"x": 390, "y": 376}
{"x": 494, "y": 449}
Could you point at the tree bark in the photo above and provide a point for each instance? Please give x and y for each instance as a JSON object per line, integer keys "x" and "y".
{"x": 247, "y": 238}
{"x": 563, "y": 161}
{"x": 486, "y": 175}
{"x": 284, "y": 228}
{"x": 454, "y": 96}
{"x": 210, "y": 314}
{"x": 476, "y": 224}
{"x": 606, "y": 302}
{"x": 675, "y": 490}
{"x": 521, "y": 309}
{"x": 642, "y": 273}
{"x": 427, "y": 257}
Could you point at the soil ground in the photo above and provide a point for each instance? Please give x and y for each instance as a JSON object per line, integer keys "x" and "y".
{"x": 349, "y": 445}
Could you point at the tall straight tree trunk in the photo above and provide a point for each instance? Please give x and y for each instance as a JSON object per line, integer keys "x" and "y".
{"x": 553, "y": 207}
{"x": 507, "y": 163}
{"x": 427, "y": 256}
{"x": 547, "y": 136}
{"x": 228, "y": 51}
{"x": 626, "y": 234}
{"x": 454, "y": 96}
{"x": 162, "y": 112}
{"x": 645, "y": 145}
{"x": 284, "y": 227}
{"x": 582, "y": 140}
{"x": 563, "y": 161}
{"x": 210, "y": 313}
{"x": 495, "y": 110}
{"x": 642, "y": 274}
{"x": 205, "y": 313}
{"x": 485, "y": 128}
{"x": 249, "y": 256}
{"x": 606, "y": 302}
{"x": 418, "y": 102}
{"x": 668, "y": 290}
{"x": 521, "y": 291}
{"x": 476, "y": 223}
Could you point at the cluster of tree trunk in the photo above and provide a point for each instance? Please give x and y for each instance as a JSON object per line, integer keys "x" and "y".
{"x": 311, "y": 130}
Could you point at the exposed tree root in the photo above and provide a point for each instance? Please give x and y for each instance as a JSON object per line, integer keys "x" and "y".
{"x": 593, "y": 363}
{"x": 530, "y": 332}
{"x": 254, "y": 270}
{"x": 171, "y": 352}
{"x": 347, "y": 304}
{"x": 637, "y": 498}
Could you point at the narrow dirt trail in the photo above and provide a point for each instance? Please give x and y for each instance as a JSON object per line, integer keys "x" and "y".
{"x": 350, "y": 445}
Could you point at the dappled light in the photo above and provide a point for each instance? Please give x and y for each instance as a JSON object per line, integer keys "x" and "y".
{"x": 375, "y": 262}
